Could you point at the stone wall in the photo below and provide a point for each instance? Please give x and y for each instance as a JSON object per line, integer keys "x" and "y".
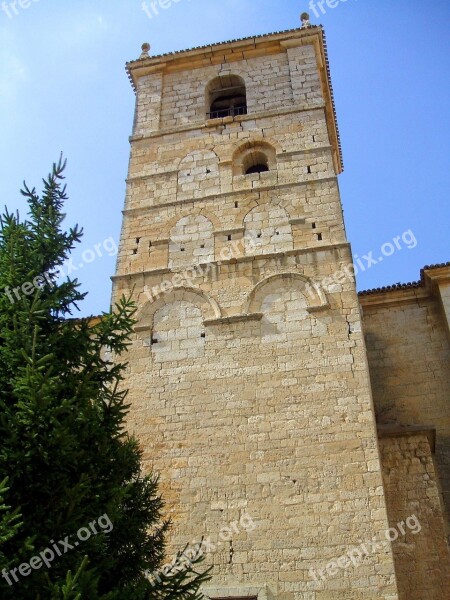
{"x": 409, "y": 359}
{"x": 249, "y": 386}
{"x": 271, "y": 81}
{"x": 421, "y": 553}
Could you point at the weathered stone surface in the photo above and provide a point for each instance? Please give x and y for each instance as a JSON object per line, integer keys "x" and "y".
{"x": 422, "y": 560}
{"x": 408, "y": 349}
{"x": 248, "y": 381}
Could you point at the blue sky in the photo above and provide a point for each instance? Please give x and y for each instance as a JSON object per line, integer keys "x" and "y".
{"x": 63, "y": 88}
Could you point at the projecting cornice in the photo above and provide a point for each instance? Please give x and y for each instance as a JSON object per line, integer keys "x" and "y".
{"x": 432, "y": 277}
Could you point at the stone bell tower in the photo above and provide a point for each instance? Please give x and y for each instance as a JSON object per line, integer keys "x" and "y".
{"x": 248, "y": 376}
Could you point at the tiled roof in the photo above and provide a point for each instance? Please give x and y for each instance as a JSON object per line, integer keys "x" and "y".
{"x": 333, "y": 104}
{"x": 405, "y": 286}
{"x": 244, "y": 39}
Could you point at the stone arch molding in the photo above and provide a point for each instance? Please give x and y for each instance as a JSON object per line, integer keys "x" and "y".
{"x": 226, "y": 71}
{"x": 243, "y": 146}
{"x": 225, "y": 79}
{"x": 198, "y": 167}
{"x": 171, "y": 223}
{"x": 191, "y": 241}
{"x": 261, "y": 204}
{"x": 268, "y": 229}
{"x": 208, "y": 306}
{"x": 251, "y": 153}
{"x": 313, "y": 292}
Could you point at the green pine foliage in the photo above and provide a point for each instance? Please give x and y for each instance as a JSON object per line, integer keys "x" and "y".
{"x": 9, "y": 525}
{"x": 63, "y": 449}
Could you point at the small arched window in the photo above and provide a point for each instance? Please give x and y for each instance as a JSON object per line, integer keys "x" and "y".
{"x": 226, "y": 97}
{"x": 259, "y": 168}
{"x": 254, "y": 157}
{"x": 255, "y": 162}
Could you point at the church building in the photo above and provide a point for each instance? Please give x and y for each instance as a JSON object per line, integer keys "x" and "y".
{"x": 301, "y": 429}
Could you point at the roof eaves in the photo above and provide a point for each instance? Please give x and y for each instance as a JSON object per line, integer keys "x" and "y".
{"x": 215, "y": 44}
{"x": 405, "y": 286}
{"x": 333, "y": 103}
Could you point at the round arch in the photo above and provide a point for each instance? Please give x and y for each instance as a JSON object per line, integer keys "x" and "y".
{"x": 313, "y": 291}
{"x": 208, "y": 306}
{"x": 259, "y": 142}
{"x": 226, "y": 95}
{"x": 267, "y": 229}
{"x": 170, "y": 224}
{"x": 255, "y": 205}
{"x": 252, "y": 154}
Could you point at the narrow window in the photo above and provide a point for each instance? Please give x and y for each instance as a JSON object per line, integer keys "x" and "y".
{"x": 257, "y": 169}
{"x": 226, "y": 97}
{"x": 256, "y": 162}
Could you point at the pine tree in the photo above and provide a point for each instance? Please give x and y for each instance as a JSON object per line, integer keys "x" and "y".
{"x": 69, "y": 462}
{"x": 9, "y": 525}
